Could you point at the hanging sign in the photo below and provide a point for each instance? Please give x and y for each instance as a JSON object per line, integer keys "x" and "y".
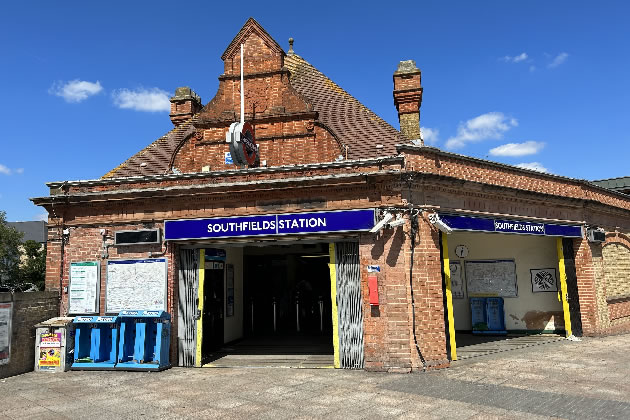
{"x": 6, "y": 314}
{"x": 481, "y": 224}
{"x": 278, "y": 224}
{"x": 84, "y": 287}
{"x": 544, "y": 280}
{"x": 243, "y": 147}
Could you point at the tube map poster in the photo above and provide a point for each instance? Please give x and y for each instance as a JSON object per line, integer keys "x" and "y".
{"x": 136, "y": 285}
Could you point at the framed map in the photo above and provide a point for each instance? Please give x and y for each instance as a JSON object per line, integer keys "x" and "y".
{"x": 136, "y": 284}
{"x": 491, "y": 278}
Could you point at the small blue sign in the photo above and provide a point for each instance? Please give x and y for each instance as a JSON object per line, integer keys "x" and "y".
{"x": 277, "y": 224}
{"x": 481, "y": 224}
{"x": 228, "y": 158}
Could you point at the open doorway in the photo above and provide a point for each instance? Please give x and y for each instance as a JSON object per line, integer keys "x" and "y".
{"x": 284, "y": 306}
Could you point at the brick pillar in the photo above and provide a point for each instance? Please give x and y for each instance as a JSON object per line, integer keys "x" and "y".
{"x": 591, "y": 286}
{"x": 184, "y": 105}
{"x": 428, "y": 297}
{"x": 408, "y": 98}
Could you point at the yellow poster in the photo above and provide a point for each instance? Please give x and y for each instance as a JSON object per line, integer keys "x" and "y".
{"x": 50, "y": 350}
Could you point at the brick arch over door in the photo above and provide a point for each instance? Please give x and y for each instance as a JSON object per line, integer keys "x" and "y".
{"x": 616, "y": 256}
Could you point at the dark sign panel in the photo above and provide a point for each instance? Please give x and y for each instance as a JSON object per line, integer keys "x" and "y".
{"x": 278, "y": 224}
{"x": 481, "y": 224}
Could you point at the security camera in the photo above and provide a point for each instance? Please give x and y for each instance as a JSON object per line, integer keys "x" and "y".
{"x": 386, "y": 218}
{"x": 439, "y": 223}
{"x": 398, "y": 221}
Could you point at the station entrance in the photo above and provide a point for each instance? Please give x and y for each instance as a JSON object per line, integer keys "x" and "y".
{"x": 272, "y": 305}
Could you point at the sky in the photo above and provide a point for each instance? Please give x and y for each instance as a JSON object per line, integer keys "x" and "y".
{"x": 540, "y": 84}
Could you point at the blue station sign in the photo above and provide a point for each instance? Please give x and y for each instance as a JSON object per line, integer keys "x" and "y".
{"x": 270, "y": 224}
{"x": 481, "y": 224}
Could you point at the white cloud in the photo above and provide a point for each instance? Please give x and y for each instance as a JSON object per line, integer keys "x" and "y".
{"x": 5, "y": 170}
{"x": 534, "y": 166}
{"x": 42, "y": 216}
{"x": 486, "y": 126}
{"x": 532, "y": 68}
{"x": 151, "y": 100}
{"x": 515, "y": 59}
{"x": 518, "y": 149}
{"x": 430, "y": 135}
{"x": 558, "y": 59}
{"x": 75, "y": 90}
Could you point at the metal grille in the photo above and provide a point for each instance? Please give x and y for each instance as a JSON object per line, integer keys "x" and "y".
{"x": 349, "y": 305}
{"x": 186, "y": 317}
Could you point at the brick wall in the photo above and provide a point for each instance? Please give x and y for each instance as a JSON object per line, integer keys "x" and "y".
{"x": 617, "y": 269}
{"x": 29, "y": 309}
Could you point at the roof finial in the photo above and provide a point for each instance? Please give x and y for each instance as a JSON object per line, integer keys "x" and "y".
{"x": 290, "y": 46}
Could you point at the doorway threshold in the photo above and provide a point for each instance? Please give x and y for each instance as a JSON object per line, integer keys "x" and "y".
{"x": 286, "y": 361}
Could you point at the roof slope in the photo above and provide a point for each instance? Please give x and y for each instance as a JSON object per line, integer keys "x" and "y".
{"x": 616, "y": 184}
{"x": 352, "y": 122}
{"x": 156, "y": 157}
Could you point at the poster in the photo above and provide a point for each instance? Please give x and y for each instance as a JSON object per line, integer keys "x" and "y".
{"x": 457, "y": 284}
{"x": 230, "y": 289}
{"x": 136, "y": 285}
{"x": 491, "y": 278}
{"x": 6, "y": 313}
{"x": 544, "y": 280}
{"x": 50, "y": 350}
{"x": 84, "y": 287}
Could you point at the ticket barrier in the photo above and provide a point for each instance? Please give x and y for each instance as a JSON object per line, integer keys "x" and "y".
{"x": 144, "y": 340}
{"x": 95, "y": 342}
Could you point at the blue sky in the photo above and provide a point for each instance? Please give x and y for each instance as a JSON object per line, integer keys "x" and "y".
{"x": 541, "y": 83}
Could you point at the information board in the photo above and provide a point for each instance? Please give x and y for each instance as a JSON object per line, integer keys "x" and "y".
{"x": 457, "y": 284}
{"x": 6, "y": 313}
{"x": 136, "y": 285}
{"x": 491, "y": 278}
{"x": 84, "y": 290}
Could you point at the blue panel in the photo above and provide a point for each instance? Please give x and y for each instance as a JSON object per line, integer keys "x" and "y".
{"x": 480, "y": 224}
{"x": 279, "y": 224}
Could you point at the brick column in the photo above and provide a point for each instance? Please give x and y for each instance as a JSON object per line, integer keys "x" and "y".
{"x": 591, "y": 286}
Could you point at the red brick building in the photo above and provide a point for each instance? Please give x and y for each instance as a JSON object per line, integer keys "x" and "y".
{"x": 282, "y": 249}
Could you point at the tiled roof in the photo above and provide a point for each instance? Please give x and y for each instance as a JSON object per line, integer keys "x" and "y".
{"x": 157, "y": 156}
{"x": 352, "y": 122}
{"x": 616, "y": 184}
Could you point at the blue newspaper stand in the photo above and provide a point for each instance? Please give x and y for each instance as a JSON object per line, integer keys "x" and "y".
{"x": 95, "y": 342}
{"x": 496, "y": 315}
{"x": 144, "y": 340}
{"x": 478, "y": 315}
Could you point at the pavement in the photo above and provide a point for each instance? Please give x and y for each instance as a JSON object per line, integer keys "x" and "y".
{"x": 558, "y": 379}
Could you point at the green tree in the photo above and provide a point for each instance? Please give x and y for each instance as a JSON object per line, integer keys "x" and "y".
{"x": 10, "y": 241}
{"x": 33, "y": 268}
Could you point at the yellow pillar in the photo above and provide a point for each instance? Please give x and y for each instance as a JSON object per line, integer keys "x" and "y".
{"x": 449, "y": 297}
{"x": 202, "y": 266}
{"x": 333, "y": 298}
{"x": 563, "y": 288}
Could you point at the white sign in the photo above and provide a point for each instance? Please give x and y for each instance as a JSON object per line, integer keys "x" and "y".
{"x": 85, "y": 279}
{"x": 136, "y": 285}
{"x": 228, "y": 158}
{"x": 457, "y": 283}
{"x": 6, "y": 312}
{"x": 544, "y": 280}
{"x": 491, "y": 278}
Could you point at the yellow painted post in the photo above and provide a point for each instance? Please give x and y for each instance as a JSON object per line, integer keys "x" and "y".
{"x": 333, "y": 297}
{"x": 202, "y": 266}
{"x": 449, "y": 297}
{"x": 563, "y": 288}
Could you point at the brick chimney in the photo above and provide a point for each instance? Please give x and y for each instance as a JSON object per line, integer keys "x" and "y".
{"x": 407, "y": 98}
{"x": 184, "y": 105}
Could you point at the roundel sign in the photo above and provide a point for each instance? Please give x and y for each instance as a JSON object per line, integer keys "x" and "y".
{"x": 243, "y": 147}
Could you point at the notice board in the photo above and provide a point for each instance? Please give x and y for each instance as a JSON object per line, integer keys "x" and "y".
{"x": 491, "y": 278}
{"x": 6, "y": 314}
{"x": 136, "y": 285}
{"x": 85, "y": 279}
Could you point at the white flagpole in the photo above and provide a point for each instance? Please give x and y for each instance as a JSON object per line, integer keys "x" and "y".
{"x": 242, "y": 90}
